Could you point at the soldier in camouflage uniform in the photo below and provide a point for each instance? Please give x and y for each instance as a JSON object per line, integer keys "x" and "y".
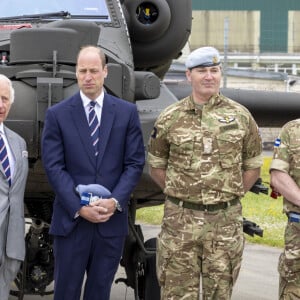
{"x": 285, "y": 179}
{"x": 205, "y": 153}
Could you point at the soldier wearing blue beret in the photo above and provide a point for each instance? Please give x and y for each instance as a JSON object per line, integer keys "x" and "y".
{"x": 205, "y": 155}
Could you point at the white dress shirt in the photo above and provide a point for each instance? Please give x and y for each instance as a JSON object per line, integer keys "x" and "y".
{"x": 10, "y": 155}
{"x": 98, "y": 107}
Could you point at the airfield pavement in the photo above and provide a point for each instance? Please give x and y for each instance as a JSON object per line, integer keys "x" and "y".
{"x": 258, "y": 278}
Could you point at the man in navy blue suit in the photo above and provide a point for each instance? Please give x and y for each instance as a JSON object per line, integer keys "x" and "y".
{"x": 90, "y": 238}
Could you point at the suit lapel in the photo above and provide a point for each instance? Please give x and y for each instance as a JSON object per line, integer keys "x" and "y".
{"x": 107, "y": 120}
{"x": 80, "y": 121}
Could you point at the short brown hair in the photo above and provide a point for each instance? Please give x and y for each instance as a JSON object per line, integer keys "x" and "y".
{"x": 97, "y": 49}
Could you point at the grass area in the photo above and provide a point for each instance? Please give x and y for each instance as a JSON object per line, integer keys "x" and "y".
{"x": 259, "y": 208}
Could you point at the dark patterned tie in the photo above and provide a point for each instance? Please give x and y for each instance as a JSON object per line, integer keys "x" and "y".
{"x": 94, "y": 125}
{"x": 4, "y": 160}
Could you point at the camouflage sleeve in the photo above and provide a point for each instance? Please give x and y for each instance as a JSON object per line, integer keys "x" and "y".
{"x": 281, "y": 151}
{"x": 252, "y": 153}
{"x": 158, "y": 146}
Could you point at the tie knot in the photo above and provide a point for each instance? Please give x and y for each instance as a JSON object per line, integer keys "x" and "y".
{"x": 92, "y": 103}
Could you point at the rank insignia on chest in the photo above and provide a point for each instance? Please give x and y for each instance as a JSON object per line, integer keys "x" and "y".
{"x": 207, "y": 145}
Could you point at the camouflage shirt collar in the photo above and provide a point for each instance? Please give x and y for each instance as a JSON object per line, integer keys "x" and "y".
{"x": 214, "y": 100}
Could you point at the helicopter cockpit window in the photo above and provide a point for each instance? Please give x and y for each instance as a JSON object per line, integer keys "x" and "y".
{"x": 76, "y": 9}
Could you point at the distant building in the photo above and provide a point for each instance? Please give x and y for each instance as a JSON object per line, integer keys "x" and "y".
{"x": 254, "y": 26}
{"x": 256, "y": 34}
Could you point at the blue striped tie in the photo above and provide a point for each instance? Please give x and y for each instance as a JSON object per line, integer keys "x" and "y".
{"x": 94, "y": 125}
{"x": 4, "y": 160}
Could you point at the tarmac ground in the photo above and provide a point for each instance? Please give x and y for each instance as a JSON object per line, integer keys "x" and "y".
{"x": 258, "y": 277}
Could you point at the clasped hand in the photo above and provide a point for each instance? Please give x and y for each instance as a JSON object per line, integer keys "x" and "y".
{"x": 98, "y": 211}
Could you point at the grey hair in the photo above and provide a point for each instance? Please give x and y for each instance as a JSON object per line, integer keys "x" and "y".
{"x": 12, "y": 90}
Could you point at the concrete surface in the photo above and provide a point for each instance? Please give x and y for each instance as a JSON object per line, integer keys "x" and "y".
{"x": 258, "y": 277}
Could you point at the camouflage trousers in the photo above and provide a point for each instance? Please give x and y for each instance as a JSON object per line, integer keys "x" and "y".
{"x": 194, "y": 245}
{"x": 289, "y": 264}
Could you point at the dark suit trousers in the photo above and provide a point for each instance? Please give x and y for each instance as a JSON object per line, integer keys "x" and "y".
{"x": 85, "y": 250}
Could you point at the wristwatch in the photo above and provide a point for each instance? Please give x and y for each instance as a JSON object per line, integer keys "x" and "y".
{"x": 117, "y": 205}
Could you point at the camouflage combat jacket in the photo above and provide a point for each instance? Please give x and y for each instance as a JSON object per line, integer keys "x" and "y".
{"x": 204, "y": 151}
{"x": 286, "y": 156}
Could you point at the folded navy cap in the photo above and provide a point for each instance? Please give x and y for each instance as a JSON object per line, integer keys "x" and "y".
{"x": 203, "y": 57}
{"x": 96, "y": 190}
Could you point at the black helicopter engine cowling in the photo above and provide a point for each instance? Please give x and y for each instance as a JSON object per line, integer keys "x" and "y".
{"x": 154, "y": 32}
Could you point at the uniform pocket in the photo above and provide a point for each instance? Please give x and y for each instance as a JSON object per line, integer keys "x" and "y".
{"x": 230, "y": 147}
{"x": 289, "y": 260}
{"x": 163, "y": 256}
{"x": 181, "y": 150}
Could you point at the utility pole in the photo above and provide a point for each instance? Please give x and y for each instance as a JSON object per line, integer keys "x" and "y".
{"x": 226, "y": 27}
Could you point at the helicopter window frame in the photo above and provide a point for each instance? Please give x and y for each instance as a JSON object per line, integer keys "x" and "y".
{"x": 91, "y": 10}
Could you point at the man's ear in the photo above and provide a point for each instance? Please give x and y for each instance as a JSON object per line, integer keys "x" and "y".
{"x": 188, "y": 75}
{"x": 106, "y": 71}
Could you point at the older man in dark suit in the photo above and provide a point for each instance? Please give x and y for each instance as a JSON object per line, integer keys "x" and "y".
{"x": 13, "y": 175}
{"x": 90, "y": 138}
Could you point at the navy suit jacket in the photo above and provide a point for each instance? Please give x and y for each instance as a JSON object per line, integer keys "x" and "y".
{"x": 68, "y": 158}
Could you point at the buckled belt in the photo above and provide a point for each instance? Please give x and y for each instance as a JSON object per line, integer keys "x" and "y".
{"x": 294, "y": 217}
{"x": 203, "y": 207}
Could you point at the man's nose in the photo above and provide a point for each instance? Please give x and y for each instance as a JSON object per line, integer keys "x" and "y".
{"x": 208, "y": 75}
{"x": 88, "y": 75}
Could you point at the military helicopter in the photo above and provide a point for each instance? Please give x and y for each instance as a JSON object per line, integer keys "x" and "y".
{"x": 39, "y": 42}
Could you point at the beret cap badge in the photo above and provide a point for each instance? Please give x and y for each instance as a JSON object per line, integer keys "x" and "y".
{"x": 215, "y": 60}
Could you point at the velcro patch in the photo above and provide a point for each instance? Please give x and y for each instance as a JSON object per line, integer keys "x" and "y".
{"x": 229, "y": 127}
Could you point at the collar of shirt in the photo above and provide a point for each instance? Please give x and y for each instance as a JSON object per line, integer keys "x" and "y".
{"x": 98, "y": 107}
{"x": 1, "y": 128}
{"x": 213, "y": 100}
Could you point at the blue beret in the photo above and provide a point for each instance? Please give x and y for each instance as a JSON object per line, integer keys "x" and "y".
{"x": 203, "y": 57}
{"x": 95, "y": 189}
